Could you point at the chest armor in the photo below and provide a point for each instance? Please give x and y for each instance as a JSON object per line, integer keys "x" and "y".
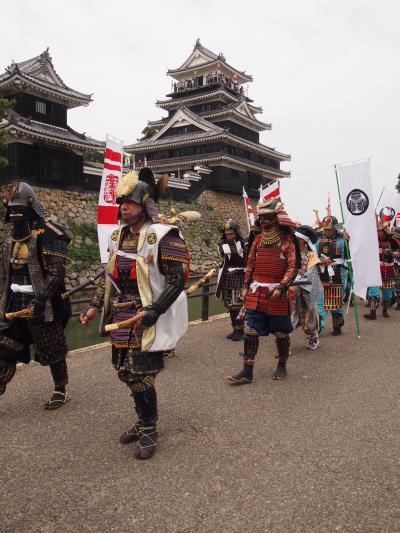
{"x": 125, "y": 268}
{"x": 330, "y": 248}
{"x": 235, "y": 260}
{"x": 19, "y": 256}
{"x": 270, "y": 264}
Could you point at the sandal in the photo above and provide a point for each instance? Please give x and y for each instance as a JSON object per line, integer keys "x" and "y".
{"x": 57, "y": 400}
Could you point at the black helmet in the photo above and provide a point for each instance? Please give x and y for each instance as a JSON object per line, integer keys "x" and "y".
{"x": 21, "y": 194}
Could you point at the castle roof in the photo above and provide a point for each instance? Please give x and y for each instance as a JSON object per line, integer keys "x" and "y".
{"x": 20, "y": 127}
{"x": 38, "y": 75}
{"x": 201, "y": 58}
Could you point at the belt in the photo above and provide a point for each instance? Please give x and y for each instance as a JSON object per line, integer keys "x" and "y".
{"x": 25, "y": 289}
{"x": 126, "y": 254}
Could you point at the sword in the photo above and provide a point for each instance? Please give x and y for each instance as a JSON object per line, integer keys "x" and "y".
{"x": 28, "y": 311}
{"x": 131, "y": 321}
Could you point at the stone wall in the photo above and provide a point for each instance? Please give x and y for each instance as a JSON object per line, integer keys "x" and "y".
{"x": 78, "y": 212}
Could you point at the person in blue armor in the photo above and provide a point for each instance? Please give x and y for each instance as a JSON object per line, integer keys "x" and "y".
{"x": 332, "y": 253}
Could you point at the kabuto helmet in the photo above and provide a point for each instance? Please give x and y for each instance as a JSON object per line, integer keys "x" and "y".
{"x": 20, "y": 194}
{"x": 330, "y": 222}
{"x": 141, "y": 188}
{"x": 274, "y": 205}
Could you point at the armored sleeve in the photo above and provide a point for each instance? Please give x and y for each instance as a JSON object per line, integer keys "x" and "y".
{"x": 289, "y": 251}
{"x": 54, "y": 250}
{"x": 98, "y": 298}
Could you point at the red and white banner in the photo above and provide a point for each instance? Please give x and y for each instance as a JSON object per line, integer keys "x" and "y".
{"x": 107, "y": 213}
{"x": 270, "y": 191}
{"x": 249, "y": 209}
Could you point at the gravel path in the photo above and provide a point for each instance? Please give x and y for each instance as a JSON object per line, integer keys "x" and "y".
{"x": 318, "y": 452}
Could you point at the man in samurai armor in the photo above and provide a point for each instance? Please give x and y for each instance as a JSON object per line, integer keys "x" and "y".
{"x": 305, "y": 297}
{"x": 230, "y": 278}
{"x": 272, "y": 266}
{"x": 396, "y": 237}
{"x": 144, "y": 283}
{"x": 388, "y": 249}
{"x": 34, "y": 252}
{"x": 332, "y": 253}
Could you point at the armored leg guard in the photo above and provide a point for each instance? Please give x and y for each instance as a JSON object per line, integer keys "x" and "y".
{"x": 385, "y": 305}
{"x": 251, "y": 343}
{"x": 398, "y": 302}
{"x": 283, "y": 345}
{"x": 372, "y": 313}
{"x": 337, "y": 322}
{"x": 146, "y": 405}
{"x": 59, "y": 372}
{"x": 233, "y": 315}
{"x": 7, "y": 371}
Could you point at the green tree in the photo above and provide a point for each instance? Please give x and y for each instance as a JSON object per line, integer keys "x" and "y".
{"x": 398, "y": 183}
{"x": 95, "y": 157}
{"x": 5, "y": 106}
{"x": 148, "y": 132}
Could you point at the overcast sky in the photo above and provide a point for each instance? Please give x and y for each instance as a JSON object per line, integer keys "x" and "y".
{"x": 326, "y": 73}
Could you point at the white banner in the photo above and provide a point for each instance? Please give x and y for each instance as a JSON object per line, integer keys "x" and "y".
{"x": 359, "y": 217}
{"x": 107, "y": 211}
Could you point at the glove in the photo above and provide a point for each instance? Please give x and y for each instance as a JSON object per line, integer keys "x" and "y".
{"x": 39, "y": 306}
{"x": 151, "y": 316}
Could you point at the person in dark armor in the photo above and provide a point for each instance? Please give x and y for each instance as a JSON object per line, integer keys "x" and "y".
{"x": 388, "y": 249}
{"x": 332, "y": 253}
{"x": 232, "y": 249}
{"x": 396, "y": 297}
{"x": 272, "y": 265}
{"x": 144, "y": 285}
{"x": 34, "y": 252}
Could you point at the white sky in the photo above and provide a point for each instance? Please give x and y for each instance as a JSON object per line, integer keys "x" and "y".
{"x": 325, "y": 72}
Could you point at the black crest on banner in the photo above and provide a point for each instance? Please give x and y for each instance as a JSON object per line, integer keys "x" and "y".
{"x": 357, "y": 202}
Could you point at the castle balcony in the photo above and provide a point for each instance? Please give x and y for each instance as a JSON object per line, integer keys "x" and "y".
{"x": 209, "y": 81}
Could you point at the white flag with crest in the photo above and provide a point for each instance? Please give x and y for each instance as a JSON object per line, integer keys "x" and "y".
{"x": 359, "y": 217}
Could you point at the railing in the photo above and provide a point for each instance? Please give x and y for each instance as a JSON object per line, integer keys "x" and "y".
{"x": 204, "y": 293}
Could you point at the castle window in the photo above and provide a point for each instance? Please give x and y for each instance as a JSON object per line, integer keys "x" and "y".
{"x": 40, "y": 107}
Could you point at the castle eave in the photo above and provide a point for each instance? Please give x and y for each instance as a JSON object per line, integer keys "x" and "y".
{"x": 21, "y": 128}
{"x": 166, "y": 165}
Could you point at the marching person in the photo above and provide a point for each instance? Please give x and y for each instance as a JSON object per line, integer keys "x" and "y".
{"x": 232, "y": 249}
{"x": 271, "y": 267}
{"x": 388, "y": 248}
{"x": 331, "y": 251}
{"x": 144, "y": 285}
{"x": 34, "y": 252}
{"x": 305, "y": 310}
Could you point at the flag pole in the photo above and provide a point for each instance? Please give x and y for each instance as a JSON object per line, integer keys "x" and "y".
{"x": 246, "y": 209}
{"x": 350, "y": 267}
{"x": 377, "y": 205}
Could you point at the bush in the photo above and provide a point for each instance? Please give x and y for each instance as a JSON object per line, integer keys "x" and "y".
{"x": 83, "y": 255}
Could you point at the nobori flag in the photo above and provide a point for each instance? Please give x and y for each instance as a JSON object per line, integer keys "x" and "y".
{"x": 360, "y": 222}
{"x": 107, "y": 212}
